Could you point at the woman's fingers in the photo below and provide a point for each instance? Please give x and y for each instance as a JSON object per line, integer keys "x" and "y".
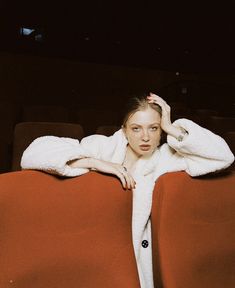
{"x": 153, "y": 98}
{"x": 133, "y": 183}
{"x": 120, "y": 171}
{"x": 122, "y": 178}
{"x": 130, "y": 181}
{"x": 166, "y": 110}
{"x": 127, "y": 180}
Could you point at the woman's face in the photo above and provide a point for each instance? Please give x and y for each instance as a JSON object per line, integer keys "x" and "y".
{"x": 143, "y": 131}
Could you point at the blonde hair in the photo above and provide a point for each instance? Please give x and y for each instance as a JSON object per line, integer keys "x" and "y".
{"x": 138, "y": 104}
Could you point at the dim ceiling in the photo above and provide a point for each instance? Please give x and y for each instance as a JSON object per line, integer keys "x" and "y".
{"x": 170, "y": 36}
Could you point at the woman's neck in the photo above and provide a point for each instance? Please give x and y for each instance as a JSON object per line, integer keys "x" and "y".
{"x": 130, "y": 159}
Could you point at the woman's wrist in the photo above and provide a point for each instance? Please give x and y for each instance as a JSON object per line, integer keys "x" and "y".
{"x": 92, "y": 163}
{"x": 177, "y": 132}
{"x": 88, "y": 163}
{"x": 182, "y": 134}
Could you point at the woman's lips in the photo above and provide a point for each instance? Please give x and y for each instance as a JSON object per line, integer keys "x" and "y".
{"x": 145, "y": 147}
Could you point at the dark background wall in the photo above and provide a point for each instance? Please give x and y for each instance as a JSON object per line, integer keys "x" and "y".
{"x": 65, "y": 90}
{"x": 27, "y": 79}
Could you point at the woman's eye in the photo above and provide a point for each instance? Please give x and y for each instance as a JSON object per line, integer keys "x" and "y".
{"x": 154, "y": 128}
{"x": 136, "y": 129}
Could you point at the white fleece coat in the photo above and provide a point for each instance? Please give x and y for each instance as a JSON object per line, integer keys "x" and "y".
{"x": 200, "y": 152}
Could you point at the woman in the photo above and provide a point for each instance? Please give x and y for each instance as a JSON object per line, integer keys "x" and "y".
{"x": 135, "y": 156}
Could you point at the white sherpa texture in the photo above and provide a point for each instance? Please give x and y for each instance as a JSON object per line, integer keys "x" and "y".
{"x": 51, "y": 154}
{"x": 202, "y": 150}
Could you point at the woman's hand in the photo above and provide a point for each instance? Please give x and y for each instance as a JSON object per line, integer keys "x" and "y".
{"x": 106, "y": 167}
{"x": 116, "y": 169}
{"x": 166, "y": 110}
{"x": 166, "y": 124}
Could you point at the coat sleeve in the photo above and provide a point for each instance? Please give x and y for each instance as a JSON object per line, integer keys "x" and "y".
{"x": 202, "y": 150}
{"x": 51, "y": 153}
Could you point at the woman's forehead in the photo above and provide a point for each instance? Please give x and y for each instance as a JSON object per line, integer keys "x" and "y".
{"x": 147, "y": 116}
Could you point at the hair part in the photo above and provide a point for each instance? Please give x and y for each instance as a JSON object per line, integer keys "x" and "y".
{"x": 139, "y": 104}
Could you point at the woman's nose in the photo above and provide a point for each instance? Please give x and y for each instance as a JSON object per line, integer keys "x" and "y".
{"x": 145, "y": 136}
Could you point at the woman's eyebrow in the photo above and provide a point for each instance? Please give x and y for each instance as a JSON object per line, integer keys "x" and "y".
{"x": 134, "y": 124}
{"x": 155, "y": 123}
{"x": 152, "y": 124}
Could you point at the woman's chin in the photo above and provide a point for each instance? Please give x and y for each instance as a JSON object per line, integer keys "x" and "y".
{"x": 145, "y": 153}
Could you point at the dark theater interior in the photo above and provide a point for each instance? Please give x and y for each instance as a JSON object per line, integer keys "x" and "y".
{"x": 68, "y": 67}
{"x": 122, "y": 211}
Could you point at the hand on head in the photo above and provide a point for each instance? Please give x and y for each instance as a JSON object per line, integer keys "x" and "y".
{"x": 166, "y": 110}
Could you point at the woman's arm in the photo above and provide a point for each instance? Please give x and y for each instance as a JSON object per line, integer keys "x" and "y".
{"x": 106, "y": 167}
{"x": 166, "y": 125}
{"x": 202, "y": 150}
{"x": 68, "y": 157}
{"x": 51, "y": 154}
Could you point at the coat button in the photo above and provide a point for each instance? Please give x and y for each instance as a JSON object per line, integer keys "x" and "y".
{"x": 145, "y": 244}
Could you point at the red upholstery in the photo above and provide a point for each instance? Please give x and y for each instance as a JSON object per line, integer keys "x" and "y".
{"x": 193, "y": 225}
{"x": 60, "y": 233}
{"x": 76, "y": 232}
